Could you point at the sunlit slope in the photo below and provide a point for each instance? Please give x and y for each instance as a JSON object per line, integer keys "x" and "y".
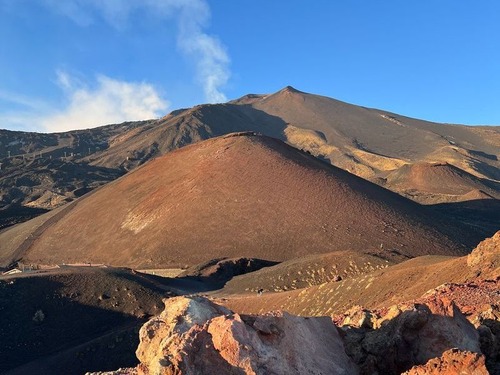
{"x": 233, "y": 196}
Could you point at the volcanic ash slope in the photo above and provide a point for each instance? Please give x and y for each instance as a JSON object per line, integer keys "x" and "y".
{"x": 238, "y": 195}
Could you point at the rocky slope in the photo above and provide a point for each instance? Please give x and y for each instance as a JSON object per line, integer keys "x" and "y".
{"x": 484, "y": 260}
{"x": 451, "y": 329}
{"x": 241, "y": 195}
{"x": 460, "y": 316}
{"x": 368, "y": 142}
{"x": 378, "y": 288}
{"x": 77, "y": 319}
{"x": 452, "y": 362}
{"x": 377, "y": 337}
{"x": 317, "y": 269}
{"x": 40, "y": 172}
{"x": 195, "y": 336}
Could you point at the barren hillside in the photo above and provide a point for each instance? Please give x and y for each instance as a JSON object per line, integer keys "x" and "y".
{"x": 439, "y": 183}
{"x": 370, "y": 143}
{"x": 240, "y": 195}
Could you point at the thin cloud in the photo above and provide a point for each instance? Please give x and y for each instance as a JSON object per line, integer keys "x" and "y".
{"x": 24, "y": 112}
{"x": 22, "y": 100}
{"x": 207, "y": 52}
{"x": 72, "y": 10}
{"x": 19, "y": 121}
{"x": 110, "y": 101}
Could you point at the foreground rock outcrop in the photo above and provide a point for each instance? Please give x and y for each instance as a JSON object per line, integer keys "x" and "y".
{"x": 393, "y": 340}
{"x": 463, "y": 316}
{"x": 195, "y": 336}
{"x": 452, "y": 362}
{"x": 452, "y": 329}
{"x": 480, "y": 302}
{"x": 484, "y": 261}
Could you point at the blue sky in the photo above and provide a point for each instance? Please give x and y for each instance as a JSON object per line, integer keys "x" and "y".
{"x": 68, "y": 64}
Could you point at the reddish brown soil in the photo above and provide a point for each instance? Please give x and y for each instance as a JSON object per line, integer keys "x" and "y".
{"x": 382, "y": 288}
{"x": 308, "y": 271}
{"x": 471, "y": 298}
{"x": 365, "y": 141}
{"x": 237, "y": 196}
{"x": 439, "y": 182}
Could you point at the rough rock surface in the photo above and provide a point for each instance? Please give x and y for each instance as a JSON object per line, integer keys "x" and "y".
{"x": 484, "y": 260}
{"x": 452, "y": 362}
{"x": 386, "y": 340}
{"x": 121, "y": 371}
{"x": 480, "y": 302}
{"x": 195, "y": 336}
{"x": 406, "y": 335}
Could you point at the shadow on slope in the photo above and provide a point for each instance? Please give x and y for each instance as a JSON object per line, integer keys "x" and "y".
{"x": 217, "y": 272}
{"x": 296, "y": 205}
{"x": 193, "y": 125}
{"x": 78, "y": 319}
{"x": 88, "y": 320}
{"x": 14, "y": 214}
{"x": 482, "y": 214}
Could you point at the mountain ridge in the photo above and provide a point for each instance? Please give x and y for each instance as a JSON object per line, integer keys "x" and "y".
{"x": 367, "y": 142}
{"x": 196, "y": 204}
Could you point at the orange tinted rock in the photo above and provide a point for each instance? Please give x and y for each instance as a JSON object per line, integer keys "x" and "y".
{"x": 484, "y": 260}
{"x": 452, "y": 362}
{"x": 195, "y": 336}
{"x": 416, "y": 334}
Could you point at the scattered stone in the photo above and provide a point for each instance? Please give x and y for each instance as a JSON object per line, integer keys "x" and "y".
{"x": 121, "y": 371}
{"x": 358, "y": 317}
{"x": 39, "y": 316}
{"x": 103, "y": 297}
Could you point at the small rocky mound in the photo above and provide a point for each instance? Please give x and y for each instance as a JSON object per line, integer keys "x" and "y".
{"x": 314, "y": 269}
{"x": 195, "y": 336}
{"x": 219, "y": 271}
{"x": 394, "y": 340}
{"x": 452, "y": 362}
{"x": 480, "y": 302}
{"x": 484, "y": 260}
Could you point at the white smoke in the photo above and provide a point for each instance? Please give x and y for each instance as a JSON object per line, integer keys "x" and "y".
{"x": 211, "y": 56}
{"x": 206, "y": 51}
